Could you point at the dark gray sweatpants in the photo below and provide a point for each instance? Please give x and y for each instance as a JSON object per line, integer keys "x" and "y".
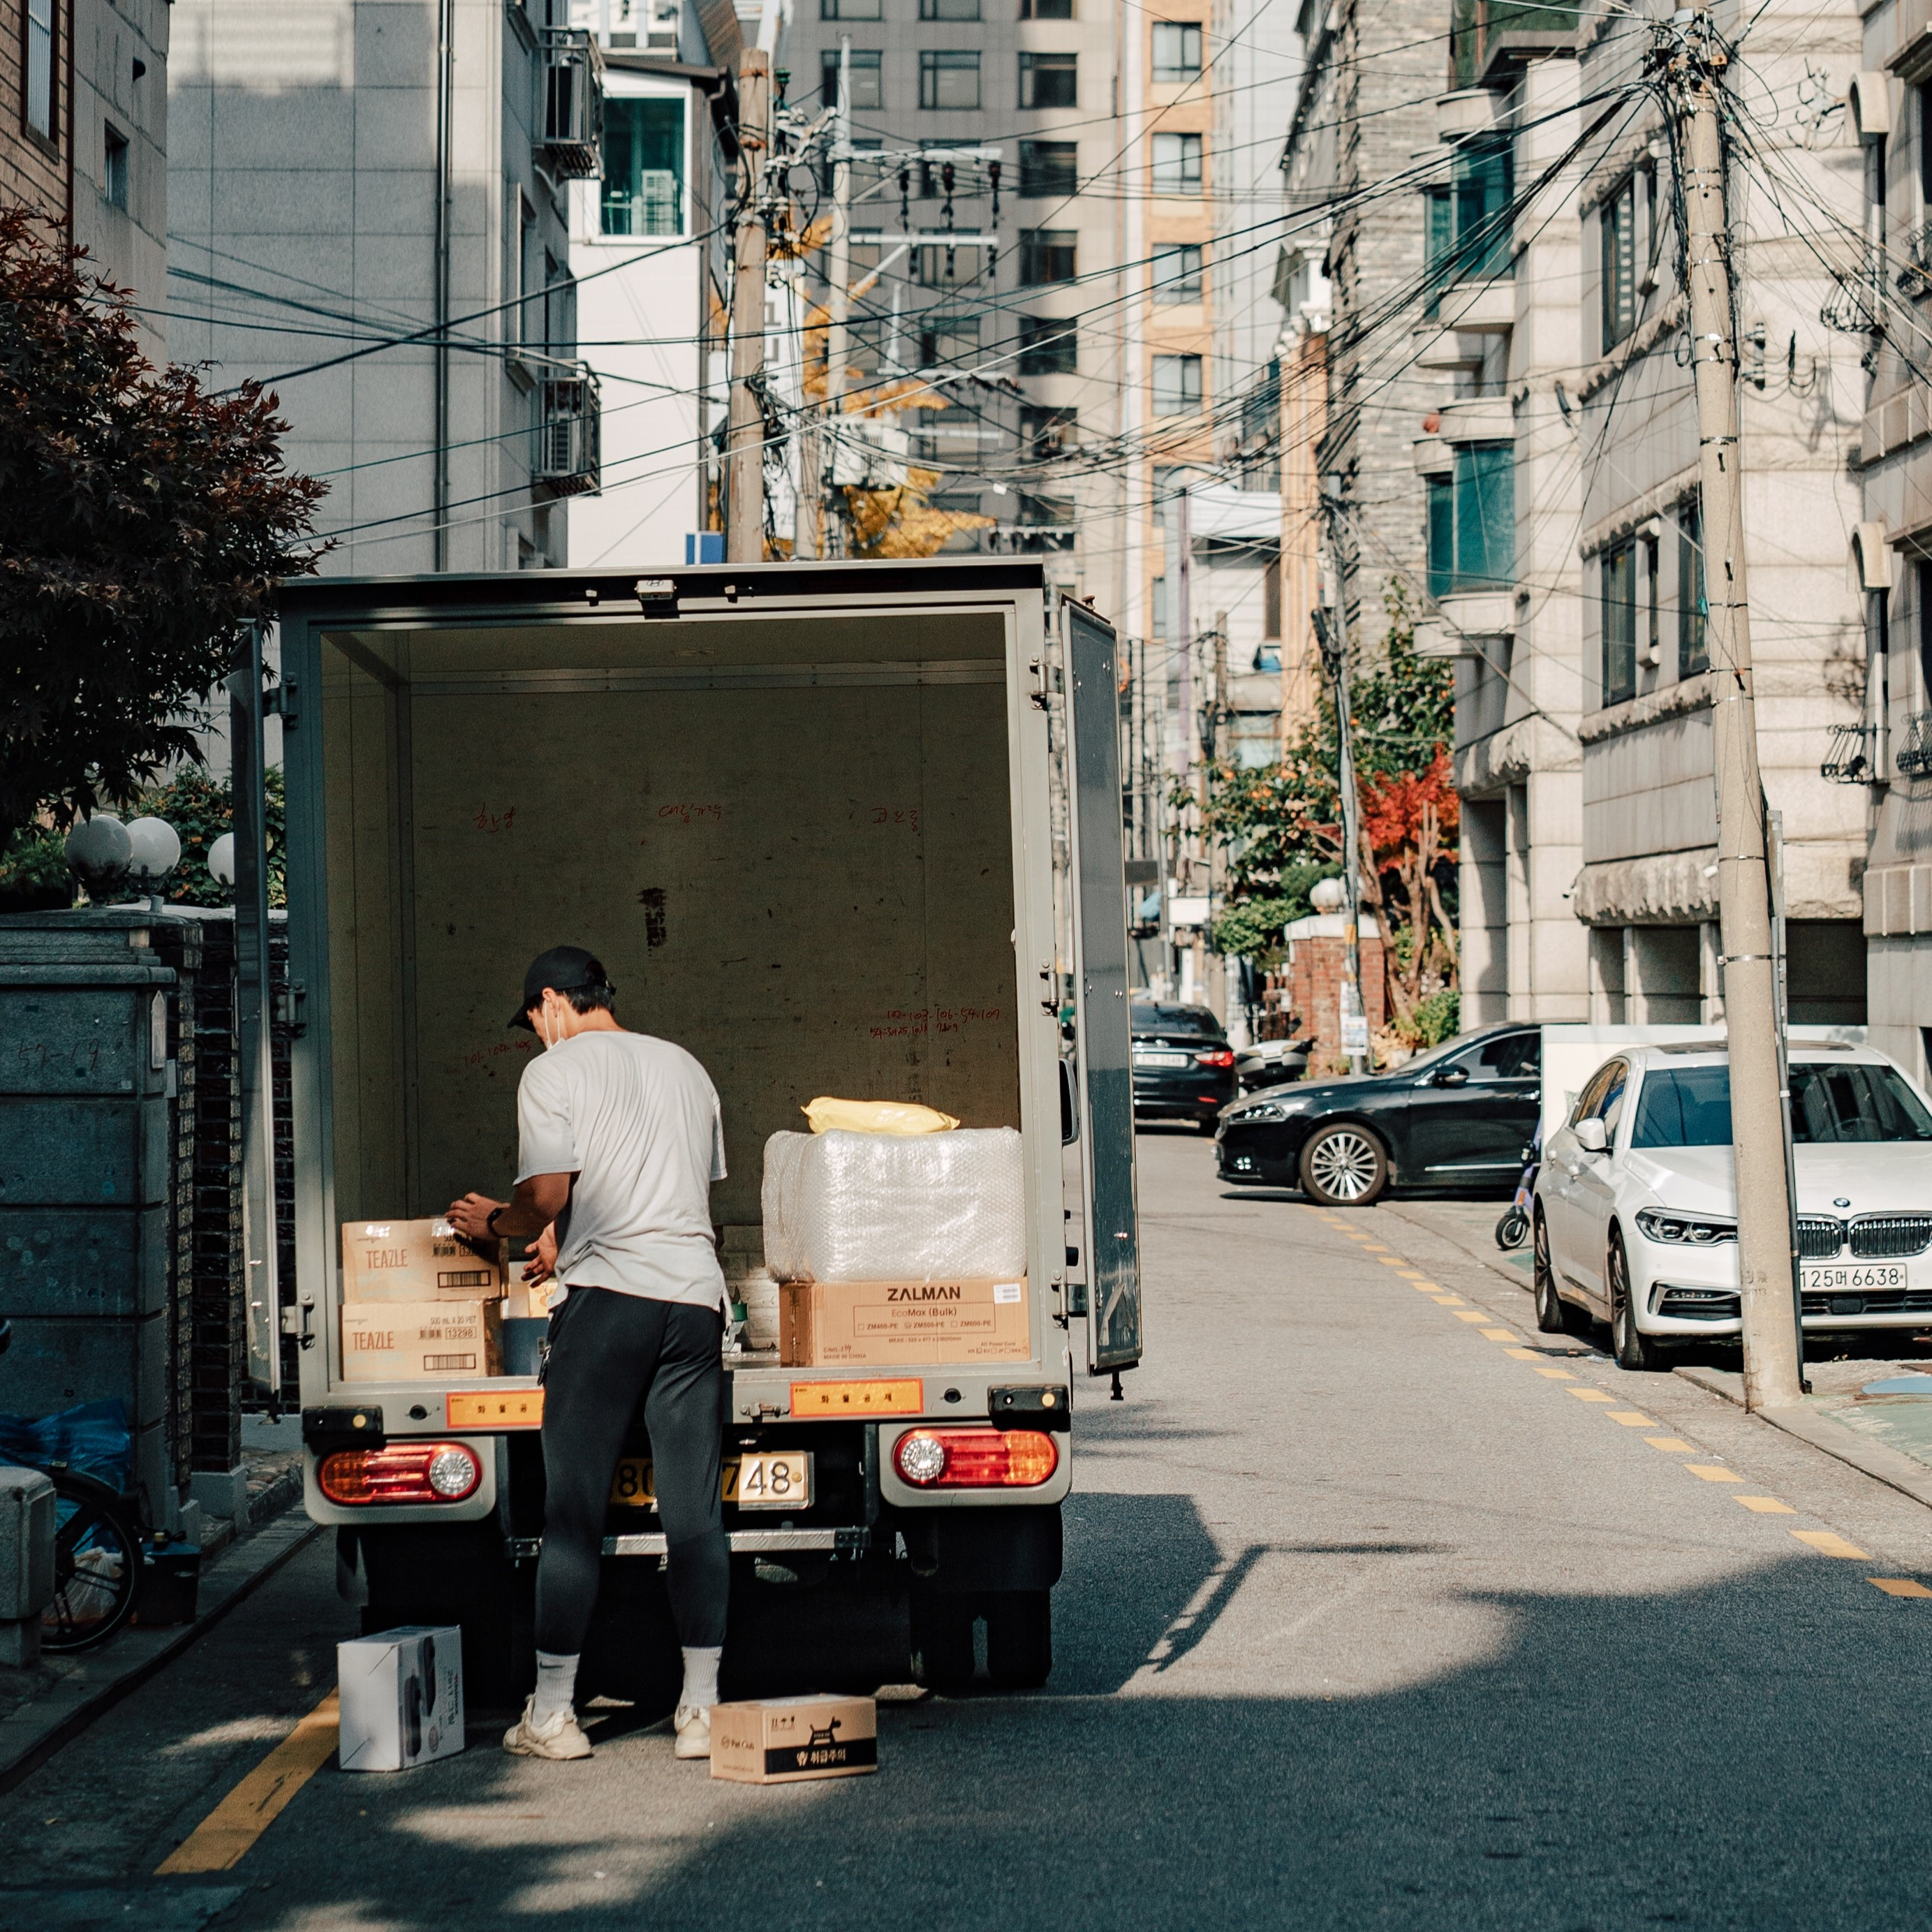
{"x": 611, "y": 1356}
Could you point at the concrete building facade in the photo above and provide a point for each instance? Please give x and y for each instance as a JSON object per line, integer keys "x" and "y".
{"x": 370, "y": 199}
{"x": 1647, "y": 887}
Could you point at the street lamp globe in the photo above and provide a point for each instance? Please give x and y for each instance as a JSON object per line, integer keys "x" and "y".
{"x": 155, "y": 851}
{"x": 221, "y": 860}
{"x": 98, "y": 850}
{"x": 1328, "y": 895}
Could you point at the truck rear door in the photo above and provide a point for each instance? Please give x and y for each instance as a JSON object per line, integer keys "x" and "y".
{"x": 1103, "y": 1044}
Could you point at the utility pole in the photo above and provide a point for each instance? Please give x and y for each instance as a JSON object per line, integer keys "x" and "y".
{"x": 1767, "y": 1266}
{"x": 1334, "y": 639}
{"x": 745, "y": 428}
{"x": 837, "y": 347}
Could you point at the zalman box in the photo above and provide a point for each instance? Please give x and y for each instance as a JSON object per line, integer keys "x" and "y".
{"x": 782, "y": 1740}
{"x": 419, "y": 1261}
{"x": 893, "y": 1323}
{"x": 407, "y": 1341}
{"x": 401, "y": 1697}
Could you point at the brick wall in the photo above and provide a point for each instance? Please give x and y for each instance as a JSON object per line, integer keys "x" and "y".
{"x": 1315, "y": 972}
{"x": 30, "y": 171}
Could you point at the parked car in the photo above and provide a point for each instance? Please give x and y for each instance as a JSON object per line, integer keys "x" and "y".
{"x": 1269, "y": 1063}
{"x": 1635, "y": 1219}
{"x": 1184, "y": 1066}
{"x": 1459, "y": 1116}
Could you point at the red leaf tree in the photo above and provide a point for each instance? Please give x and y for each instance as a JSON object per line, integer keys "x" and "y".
{"x": 144, "y": 521}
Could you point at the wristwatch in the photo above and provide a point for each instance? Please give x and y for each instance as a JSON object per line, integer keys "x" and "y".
{"x": 490, "y": 1220}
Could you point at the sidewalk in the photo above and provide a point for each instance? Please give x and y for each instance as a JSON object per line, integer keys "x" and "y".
{"x": 1886, "y": 1435}
{"x": 41, "y": 1709}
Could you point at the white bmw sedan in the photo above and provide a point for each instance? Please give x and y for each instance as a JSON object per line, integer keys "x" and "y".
{"x": 1635, "y": 1221}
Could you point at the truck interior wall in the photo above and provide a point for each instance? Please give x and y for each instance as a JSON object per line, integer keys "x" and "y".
{"x": 789, "y": 842}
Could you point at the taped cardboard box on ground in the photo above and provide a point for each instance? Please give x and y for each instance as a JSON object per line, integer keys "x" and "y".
{"x": 410, "y": 1341}
{"x": 400, "y": 1697}
{"x": 419, "y": 1261}
{"x": 784, "y": 1740}
{"x": 894, "y": 1323}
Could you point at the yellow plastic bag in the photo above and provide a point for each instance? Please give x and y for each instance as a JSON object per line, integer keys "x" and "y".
{"x": 876, "y": 1116}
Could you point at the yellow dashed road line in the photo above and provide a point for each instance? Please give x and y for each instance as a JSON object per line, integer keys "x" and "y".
{"x": 1499, "y": 1335}
{"x": 1470, "y": 1315}
{"x": 1632, "y": 1418}
{"x": 1715, "y": 1472}
{"x": 1593, "y": 1395}
{"x": 1524, "y": 1355}
{"x": 1771, "y": 1506}
{"x": 1899, "y": 1586}
{"x": 1671, "y": 1445}
{"x": 1827, "y": 1542}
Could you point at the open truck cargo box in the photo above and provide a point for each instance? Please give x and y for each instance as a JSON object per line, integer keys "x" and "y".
{"x": 803, "y": 815}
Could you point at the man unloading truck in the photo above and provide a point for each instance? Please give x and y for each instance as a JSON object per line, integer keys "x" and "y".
{"x": 620, "y": 1139}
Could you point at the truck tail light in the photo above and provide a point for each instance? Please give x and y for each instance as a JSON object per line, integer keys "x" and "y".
{"x": 975, "y": 1459}
{"x": 401, "y": 1472}
{"x": 1222, "y": 1056}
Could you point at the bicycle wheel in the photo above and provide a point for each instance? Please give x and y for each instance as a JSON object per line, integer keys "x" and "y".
{"x": 96, "y": 1566}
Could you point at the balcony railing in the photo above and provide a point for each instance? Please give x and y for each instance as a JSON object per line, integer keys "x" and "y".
{"x": 1915, "y": 755}
{"x": 1849, "y": 759}
{"x": 572, "y": 141}
{"x": 569, "y": 435}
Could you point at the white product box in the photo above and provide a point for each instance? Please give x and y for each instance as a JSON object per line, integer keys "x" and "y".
{"x": 401, "y": 1695}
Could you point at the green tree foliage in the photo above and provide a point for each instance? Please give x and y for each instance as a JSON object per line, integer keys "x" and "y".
{"x": 144, "y": 520}
{"x": 1280, "y": 824}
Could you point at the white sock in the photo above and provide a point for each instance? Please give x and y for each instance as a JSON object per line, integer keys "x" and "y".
{"x": 556, "y": 1685}
{"x": 700, "y": 1679}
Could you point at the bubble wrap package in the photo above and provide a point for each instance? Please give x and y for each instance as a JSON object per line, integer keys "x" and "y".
{"x": 847, "y": 1207}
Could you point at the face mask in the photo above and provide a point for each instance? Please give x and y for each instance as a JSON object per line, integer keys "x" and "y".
{"x": 543, "y": 1032}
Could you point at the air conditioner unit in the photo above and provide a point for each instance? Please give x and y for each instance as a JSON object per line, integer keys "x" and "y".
{"x": 571, "y": 143}
{"x": 569, "y": 433}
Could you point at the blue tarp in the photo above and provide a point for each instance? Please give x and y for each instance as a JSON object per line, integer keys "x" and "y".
{"x": 92, "y": 1439}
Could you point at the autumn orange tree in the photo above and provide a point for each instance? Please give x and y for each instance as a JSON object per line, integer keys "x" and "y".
{"x": 144, "y": 520}
{"x": 1280, "y": 825}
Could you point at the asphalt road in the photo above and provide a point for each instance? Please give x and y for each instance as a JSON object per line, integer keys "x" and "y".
{"x": 1380, "y": 1609}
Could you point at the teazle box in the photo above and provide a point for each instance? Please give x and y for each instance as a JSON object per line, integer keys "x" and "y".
{"x": 782, "y": 1740}
{"x": 401, "y": 1697}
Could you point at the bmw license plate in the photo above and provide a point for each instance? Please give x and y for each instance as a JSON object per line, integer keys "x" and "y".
{"x": 1144, "y": 1057}
{"x": 1851, "y": 1277}
{"x": 768, "y": 1480}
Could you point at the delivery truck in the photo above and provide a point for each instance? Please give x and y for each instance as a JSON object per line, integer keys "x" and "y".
{"x": 805, "y": 816}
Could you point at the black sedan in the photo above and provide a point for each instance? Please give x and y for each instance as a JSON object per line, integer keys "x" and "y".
{"x": 1184, "y": 1066}
{"x": 1457, "y": 1117}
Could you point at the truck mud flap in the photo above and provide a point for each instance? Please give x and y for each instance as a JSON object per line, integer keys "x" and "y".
{"x": 965, "y": 1552}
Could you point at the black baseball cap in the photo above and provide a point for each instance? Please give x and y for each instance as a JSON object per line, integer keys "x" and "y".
{"x": 564, "y": 969}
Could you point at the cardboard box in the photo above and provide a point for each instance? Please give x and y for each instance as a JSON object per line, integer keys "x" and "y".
{"x": 784, "y": 1740}
{"x": 410, "y": 1341}
{"x": 419, "y": 1261}
{"x": 401, "y": 1697}
{"x": 872, "y": 1325}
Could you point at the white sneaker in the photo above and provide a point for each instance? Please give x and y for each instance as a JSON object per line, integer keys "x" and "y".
{"x": 559, "y": 1738}
{"x": 693, "y": 1726}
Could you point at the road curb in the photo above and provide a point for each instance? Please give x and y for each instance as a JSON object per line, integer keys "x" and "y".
{"x": 1891, "y": 1467}
{"x": 93, "y": 1684}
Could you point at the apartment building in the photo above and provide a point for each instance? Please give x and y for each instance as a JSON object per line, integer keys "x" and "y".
{"x": 1361, "y": 113}
{"x": 1647, "y": 887}
{"x": 84, "y": 137}
{"x": 1501, "y": 464}
{"x": 647, "y": 248}
{"x": 369, "y": 205}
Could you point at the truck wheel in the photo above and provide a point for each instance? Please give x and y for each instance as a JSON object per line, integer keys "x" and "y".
{"x": 1343, "y": 1166}
{"x": 1019, "y": 1638}
{"x": 942, "y": 1640}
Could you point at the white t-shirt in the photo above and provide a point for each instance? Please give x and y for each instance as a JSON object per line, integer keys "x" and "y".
{"x": 636, "y": 1121}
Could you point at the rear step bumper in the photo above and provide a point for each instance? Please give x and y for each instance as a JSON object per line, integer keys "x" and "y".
{"x": 744, "y": 1542}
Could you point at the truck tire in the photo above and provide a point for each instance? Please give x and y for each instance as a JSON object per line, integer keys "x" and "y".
{"x": 1019, "y": 1638}
{"x": 457, "y": 1574}
{"x": 942, "y": 1640}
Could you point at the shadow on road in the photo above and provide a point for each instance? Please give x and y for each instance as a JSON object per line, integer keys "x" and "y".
{"x": 1747, "y": 1755}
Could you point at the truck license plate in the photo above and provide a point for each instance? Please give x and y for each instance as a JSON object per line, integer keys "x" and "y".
{"x": 1843, "y": 1278}
{"x": 780, "y": 1480}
